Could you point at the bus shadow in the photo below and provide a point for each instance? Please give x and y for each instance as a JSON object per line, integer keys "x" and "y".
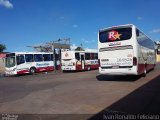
{"x": 141, "y": 103}
{"x": 117, "y": 78}
{"x": 77, "y": 71}
{"x": 35, "y": 74}
{"x": 69, "y": 71}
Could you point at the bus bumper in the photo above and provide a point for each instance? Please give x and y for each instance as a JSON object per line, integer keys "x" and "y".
{"x": 10, "y": 72}
{"x": 68, "y": 68}
{"x": 119, "y": 71}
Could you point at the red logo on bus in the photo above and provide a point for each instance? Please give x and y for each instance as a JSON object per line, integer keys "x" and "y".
{"x": 113, "y": 35}
{"x": 66, "y": 55}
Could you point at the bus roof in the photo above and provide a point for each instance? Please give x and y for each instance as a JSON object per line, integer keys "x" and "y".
{"x": 31, "y": 53}
{"x": 118, "y": 26}
{"x": 81, "y": 51}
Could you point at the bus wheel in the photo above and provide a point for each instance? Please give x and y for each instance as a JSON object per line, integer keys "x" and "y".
{"x": 89, "y": 68}
{"x": 144, "y": 73}
{"x": 32, "y": 70}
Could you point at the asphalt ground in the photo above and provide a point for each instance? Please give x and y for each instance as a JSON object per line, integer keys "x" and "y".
{"x": 79, "y": 95}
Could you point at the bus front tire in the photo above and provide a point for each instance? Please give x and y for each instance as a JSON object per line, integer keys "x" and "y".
{"x": 144, "y": 73}
{"x": 89, "y": 68}
{"x": 32, "y": 70}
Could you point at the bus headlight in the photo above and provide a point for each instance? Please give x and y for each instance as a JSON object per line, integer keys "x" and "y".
{"x": 14, "y": 69}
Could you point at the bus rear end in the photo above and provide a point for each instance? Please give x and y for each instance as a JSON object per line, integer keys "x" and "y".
{"x": 117, "y": 51}
{"x": 68, "y": 60}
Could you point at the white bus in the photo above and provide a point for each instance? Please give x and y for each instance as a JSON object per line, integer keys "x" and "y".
{"x": 28, "y": 62}
{"x": 125, "y": 50}
{"x": 79, "y": 60}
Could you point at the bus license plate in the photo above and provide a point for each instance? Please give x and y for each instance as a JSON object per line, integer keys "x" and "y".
{"x": 115, "y": 66}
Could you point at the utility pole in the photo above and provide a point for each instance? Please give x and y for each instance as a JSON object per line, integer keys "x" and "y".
{"x": 53, "y": 50}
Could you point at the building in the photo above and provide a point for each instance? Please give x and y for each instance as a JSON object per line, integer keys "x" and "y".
{"x": 2, "y": 63}
{"x": 158, "y": 50}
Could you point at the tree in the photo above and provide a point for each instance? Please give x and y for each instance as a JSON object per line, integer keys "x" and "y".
{"x": 2, "y": 47}
{"x": 79, "y": 49}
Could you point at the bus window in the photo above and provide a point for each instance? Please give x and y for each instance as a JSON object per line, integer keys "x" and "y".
{"x": 87, "y": 56}
{"x": 46, "y": 57}
{"x": 144, "y": 41}
{"x": 77, "y": 56}
{"x": 10, "y": 55}
{"x": 10, "y": 62}
{"x": 51, "y": 57}
{"x": 114, "y": 35}
{"x": 56, "y": 57}
{"x": 29, "y": 57}
{"x": 158, "y": 50}
{"x": 38, "y": 58}
{"x": 95, "y": 55}
{"x": 137, "y": 32}
{"x": 20, "y": 59}
{"x": 92, "y": 56}
{"x": 82, "y": 57}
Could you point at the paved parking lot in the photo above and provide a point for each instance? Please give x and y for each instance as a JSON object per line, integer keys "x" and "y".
{"x": 79, "y": 93}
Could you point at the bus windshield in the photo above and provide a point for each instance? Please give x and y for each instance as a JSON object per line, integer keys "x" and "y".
{"x": 116, "y": 34}
{"x": 10, "y": 62}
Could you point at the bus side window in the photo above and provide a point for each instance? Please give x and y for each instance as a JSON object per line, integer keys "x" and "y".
{"x": 20, "y": 59}
{"x": 96, "y": 56}
{"x": 46, "y": 57}
{"x": 158, "y": 50}
{"x": 38, "y": 58}
{"x": 77, "y": 56}
{"x": 87, "y": 56}
{"x": 51, "y": 57}
{"x": 82, "y": 57}
{"x": 137, "y": 32}
{"x": 92, "y": 56}
{"x": 29, "y": 57}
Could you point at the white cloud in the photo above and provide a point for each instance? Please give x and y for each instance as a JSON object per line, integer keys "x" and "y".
{"x": 139, "y": 18}
{"x": 158, "y": 41}
{"x": 155, "y": 31}
{"x": 6, "y": 3}
{"x": 75, "y": 26}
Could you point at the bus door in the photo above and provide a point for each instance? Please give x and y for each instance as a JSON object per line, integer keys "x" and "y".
{"x": 21, "y": 65}
{"x": 82, "y": 61}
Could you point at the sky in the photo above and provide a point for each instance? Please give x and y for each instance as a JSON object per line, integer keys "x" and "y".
{"x": 35, "y": 22}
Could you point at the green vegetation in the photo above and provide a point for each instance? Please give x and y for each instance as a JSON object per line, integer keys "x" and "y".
{"x": 79, "y": 49}
{"x": 2, "y": 47}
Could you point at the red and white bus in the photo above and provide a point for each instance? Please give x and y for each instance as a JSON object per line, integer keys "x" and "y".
{"x": 28, "y": 62}
{"x": 125, "y": 50}
{"x": 79, "y": 60}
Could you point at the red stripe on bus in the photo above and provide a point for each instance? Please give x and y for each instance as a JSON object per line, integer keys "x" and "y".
{"x": 49, "y": 68}
{"x": 79, "y": 67}
{"x": 141, "y": 67}
{"x": 23, "y": 72}
{"x": 95, "y": 66}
